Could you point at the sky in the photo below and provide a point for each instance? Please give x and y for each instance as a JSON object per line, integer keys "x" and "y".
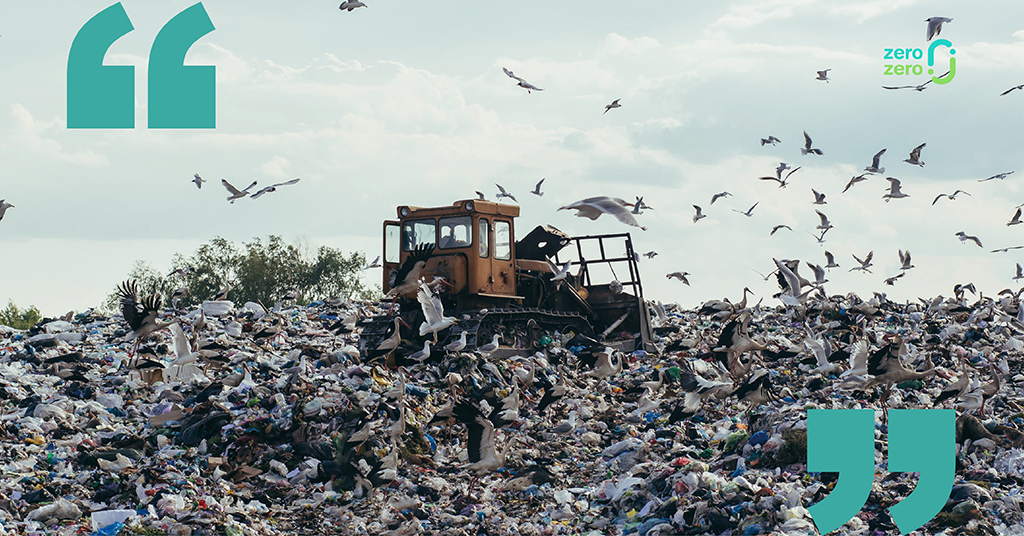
{"x": 405, "y": 103}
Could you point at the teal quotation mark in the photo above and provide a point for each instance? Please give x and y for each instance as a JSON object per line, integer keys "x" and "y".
{"x": 104, "y": 96}
{"x": 843, "y": 441}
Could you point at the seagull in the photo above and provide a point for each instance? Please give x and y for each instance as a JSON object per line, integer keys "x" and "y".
{"x": 1021, "y": 87}
{"x": 699, "y": 215}
{"x": 594, "y": 207}
{"x": 771, "y": 139}
{"x": 819, "y": 274}
{"x": 777, "y": 227}
{"x": 1020, "y": 273}
{"x": 821, "y": 238}
{"x": 831, "y": 261}
{"x": 905, "y": 260}
{"x": 822, "y": 75}
{"x": 807, "y": 146}
{"x": 272, "y": 188}
{"x": 490, "y": 347}
{"x": 819, "y": 198}
{"x": 433, "y": 312}
{"x": 782, "y": 182}
{"x": 4, "y": 205}
{"x": 935, "y": 26}
{"x": 639, "y": 205}
{"x": 650, "y": 254}
{"x": 749, "y": 212}
{"x": 951, "y": 196}
{"x": 873, "y": 168}
{"x": 503, "y": 193}
{"x": 235, "y": 192}
{"x": 716, "y": 196}
{"x": 891, "y": 281}
{"x": 349, "y": 5}
{"x": 560, "y": 272}
{"x": 919, "y": 87}
{"x": 864, "y": 264}
{"x": 1015, "y": 220}
{"x": 1000, "y": 176}
{"x": 915, "y": 156}
{"x": 374, "y": 264}
{"x": 530, "y": 88}
{"x": 480, "y": 195}
{"x": 825, "y": 224}
{"x": 894, "y": 190}
{"x": 198, "y": 181}
{"x": 614, "y": 104}
{"x": 605, "y": 366}
{"x": 421, "y": 355}
{"x": 459, "y": 344}
{"x": 965, "y": 237}
{"x": 1004, "y": 250}
{"x": 536, "y": 189}
{"x": 679, "y": 275}
{"x": 855, "y": 180}
{"x": 566, "y": 427}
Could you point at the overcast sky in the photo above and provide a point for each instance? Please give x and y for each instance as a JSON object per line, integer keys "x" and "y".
{"x": 405, "y": 102}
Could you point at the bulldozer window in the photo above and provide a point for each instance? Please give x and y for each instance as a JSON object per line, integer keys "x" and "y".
{"x": 391, "y": 244}
{"x": 456, "y": 232}
{"x": 502, "y": 240}
{"x": 415, "y": 233}
{"x": 485, "y": 231}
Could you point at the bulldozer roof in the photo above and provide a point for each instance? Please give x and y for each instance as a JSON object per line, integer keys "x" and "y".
{"x": 465, "y": 206}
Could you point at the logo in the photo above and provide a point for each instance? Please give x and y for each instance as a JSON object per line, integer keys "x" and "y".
{"x": 101, "y": 96}
{"x": 920, "y": 440}
{"x": 917, "y": 69}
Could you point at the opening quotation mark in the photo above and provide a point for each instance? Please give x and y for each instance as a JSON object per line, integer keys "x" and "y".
{"x": 104, "y": 96}
{"x": 920, "y": 440}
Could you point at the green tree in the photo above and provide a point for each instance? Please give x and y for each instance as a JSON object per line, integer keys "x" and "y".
{"x": 20, "y": 318}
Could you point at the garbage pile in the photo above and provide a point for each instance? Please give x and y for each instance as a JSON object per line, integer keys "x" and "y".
{"x": 238, "y": 420}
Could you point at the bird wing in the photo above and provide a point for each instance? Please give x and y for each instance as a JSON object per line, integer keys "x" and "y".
{"x": 614, "y": 206}
{"x": 937, "y": 198}
{"x": 420, "y": 253}
{"x": 877, "y": 157}
{"x": 480, "y": 194}
{"x": 807, "y": 140}
{"x": 900, "y": 252}
{"x": 537, "y": 188}
{"x": 250, "y": 187}
{"x": 752, "y": 208}
{"x": 824, "y": 219}
{"x": 511, "y": 74}
{"x": 916, "y": 153}
{"x": 867, "y": 260}
{"x": 261, "y": 192}
{"x": 231, "y": 189}
{"x": 792, "y": 281}
{"x": 792, "y": 171}
{"x": 819, "y": 272}
{"x": 698, "y": 209}
{"x": 288, "y": 183}
{"x": 616, "y": 101}
{"x": 1016, "y": 216}
{"x": 894, "y": 185}
{"x": 431, "y": 314}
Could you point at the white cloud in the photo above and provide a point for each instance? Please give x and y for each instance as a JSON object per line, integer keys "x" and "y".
{"x": 30, "y": 134}
{"x": 276, "y": 167}
{"x": 873, "y": 8}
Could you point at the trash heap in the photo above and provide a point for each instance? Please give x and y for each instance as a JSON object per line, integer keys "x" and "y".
{"x": 244, "y": 421}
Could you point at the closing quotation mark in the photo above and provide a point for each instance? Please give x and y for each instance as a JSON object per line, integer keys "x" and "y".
{"x": 920, "y": 440}
{"x": 102, "y": 96}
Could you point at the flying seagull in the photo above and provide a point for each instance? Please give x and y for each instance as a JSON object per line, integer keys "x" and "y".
{"x": 1020, "y": 273}
{"x": 349, "y": 5}
{"x": 831, "y": 261}
{"x": 891, "y": 281}
{"x": 864, "y": 264}
{"x": 855, "y": 180}
{"x": 638, "y": 205}
{"x": 823, "y": 75}
{"x": 4, "y": 205}
{"x": 919, "y": 87}
{"x": 819, "y": 198}
{"x": 777, "y": 227}
{"x": 1000, "y": 176}
{"x": 771, "y": 139}
{"x": 699, "y": 215}
{"x": 594, "y": 207}
{"x": 1021, "y": 87}
{"x": 1004, "y": 250}
{"x": 820, "y": 239}
{"x": 480, "y": 195}
{"x": 530, "y": 88}
{"x": 915, "y": 156}
{"x": 807, "y": 146}
{"x": 873, "y": 168}
{"x": 235, "y": 192}
{"x": 272, "y": 188}
{"x": 935, "y": 26}
{"x": 680, "y": 276}
{"x": 503, "y": 193}
{"x": 536, "y": 189}
{"x": 716, "y": 196}
{"x": 614, "y": 104}
{"x": 650, "y": 254}
{"x": 198, "y": 181}
{"x": 749, "y": 211}
{"x": 905, "y": 260}
{"x": 964, "y": 237}
{"x": 951, "y": 196}
{"x": 374, "y": 264}
{"x": 894, "y": 190}
{"x": 825, "y": 224}
{"x": 1013, "y": 221}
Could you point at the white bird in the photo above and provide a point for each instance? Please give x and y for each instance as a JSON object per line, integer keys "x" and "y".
{"x": 198, "y": 181}
{"x": 699, "y": 215}
{"x": 875, "y": 162}
{"x": 792, "y": 295}
{"x": 374, "y": 264}
{"x": 530, "y": 88}
{"x": 503, "y": 193}
{"x": 894, "y": 190}
{"x": 819, "y": 274}
{"x": 639, "y": 205}
{"x": 892, "y": 280}
{"x": 606, "y": 367}
{"x": 349, "y": 5}
{"x": 1000, "y": 176}
{"x": 1004, "y": 250}
{"x": 864, "y": 264}
{"x": 965, "y": 237}
{"x": 457, "y": 345}
{"x": 823, "y": 75}
{"x": 536, "y": 189}
{"x": 480, "y": 195}
{"x": 421, "y": 355}
{"x": 858, "y": 362}
{"x": 821, "y": 350}
{"x": 819, "y": 198}
{"x": 650, "y": 254}
{"x": 807, "y": 146}
{"x": 272, "y": 188}
{"x": 4, "y": 205}
{"x": 825, "y": 224}
{"x": 1015, "y": 220}
{"x": 490, "y": 347}
{"x": 483, "y": 455}
{"x": 566, "y": 427}
{"x": 718, "y": 195}
{"x": 680, "y": 276}
{"x": 560, "y": 272}
{"x": 433, "y": 312}
{"x": 235, "y": 192}
{"x": 935, "y": 26}
{"x": 905, "y": 260}
{"x": 749, "y": 212}
{"x": 831, "y": 261}
{"x": 614, "y": 104}
{"x": 1020, "y": 273}
{"x": 855, "y": 180}
{"x": 594, "y": 207}
{"x": 771, "y": 139}
{"x": 915, "y": 156}
{"x": 951, "y": 196}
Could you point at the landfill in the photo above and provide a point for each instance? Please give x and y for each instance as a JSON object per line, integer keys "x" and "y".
{"x": 236, "y": 420}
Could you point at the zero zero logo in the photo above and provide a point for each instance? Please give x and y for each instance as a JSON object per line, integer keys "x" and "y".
{"x": 180, "y": 96}
{"x": 916, "y": 68}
